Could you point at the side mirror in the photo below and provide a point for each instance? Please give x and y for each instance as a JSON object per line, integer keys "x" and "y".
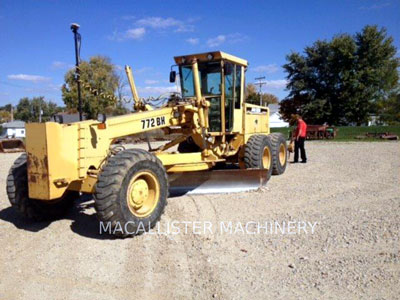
{"x": 172, "y": 76}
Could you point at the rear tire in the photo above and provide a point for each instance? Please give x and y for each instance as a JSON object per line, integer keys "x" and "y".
{"x": 131, "y": 192}
{"x": 38, "y": 210}
{"x": 279, "y": 153}
{"x": 258, "y": 153}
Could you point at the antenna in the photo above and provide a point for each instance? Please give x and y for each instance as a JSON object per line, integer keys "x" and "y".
{"x": 77, "y": 39}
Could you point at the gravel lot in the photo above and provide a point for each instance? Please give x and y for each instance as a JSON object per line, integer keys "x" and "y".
{"x": 350, "y": 189}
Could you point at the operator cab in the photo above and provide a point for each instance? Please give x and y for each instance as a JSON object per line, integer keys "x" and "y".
{"x": 221, "y": 82}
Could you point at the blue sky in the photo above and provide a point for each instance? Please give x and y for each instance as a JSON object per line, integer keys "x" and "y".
{"x": 36, "y": 44}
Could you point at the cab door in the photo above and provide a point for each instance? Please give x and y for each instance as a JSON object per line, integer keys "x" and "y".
{"x": 233, "y": 95}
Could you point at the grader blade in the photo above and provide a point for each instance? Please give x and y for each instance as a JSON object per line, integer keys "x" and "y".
{"x": 11, "y": 146}
{"x": 217, "y": 181}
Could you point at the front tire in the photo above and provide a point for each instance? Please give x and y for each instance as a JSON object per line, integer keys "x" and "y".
{"x": 38, "y": 210}
{"x": 131, "y": 192}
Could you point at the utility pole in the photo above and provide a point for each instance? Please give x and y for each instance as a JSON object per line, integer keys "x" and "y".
{"x": 40, "y": 112}
{"x": 260, "y": 84}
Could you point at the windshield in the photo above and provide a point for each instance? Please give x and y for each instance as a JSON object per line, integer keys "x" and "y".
{"x": 210, "y": 79}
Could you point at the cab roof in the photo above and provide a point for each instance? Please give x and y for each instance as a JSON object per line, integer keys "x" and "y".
{"x": 217, "y": 55}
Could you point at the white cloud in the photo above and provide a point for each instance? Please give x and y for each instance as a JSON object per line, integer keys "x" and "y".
{"x": 214, "y": 42}
{"x": 43, "y": 89}
{"x": 26, "y": 77}
{"x": 230, "y": 38}
{"x": 271, "y": 68}
{"x": 130, "y": 34}
{"x": 163, "y": 23}
{"x": 149, "y": 81}
{"x": 55, "y": 87}
{"x": 276, "y": 84}
{"x": 142, "y": 70}
{"x": 376, "y": 6}
{"x": 119, "y": 68}
{"x": 236, "y": 38}
{"x": 158, "y": 22}
{"x": 185, "y": 28}
{"x": 193, "y": 41}
{"x": 141, "y": 26}
{"x": 60, "y": 65}
{"x": 135, "y": 33}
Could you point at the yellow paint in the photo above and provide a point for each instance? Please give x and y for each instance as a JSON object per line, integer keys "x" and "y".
{"x": 217, "y": 55}
{"x": 169, "y": 159}
{"x": 132, "y": 85}
{"x": 256, "y": 120}
{"x": 282, "y": 154}
{"x": 86, "y": 185}
{"x": 143, "y": 194}
{"x": 53, "y": 157}
{"x": 267, "y": 158}
{"x": 69, "y": 156}
{"x": 189, "y": 167}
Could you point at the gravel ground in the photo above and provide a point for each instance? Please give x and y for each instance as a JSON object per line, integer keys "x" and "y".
{"x": 350, "y": 189}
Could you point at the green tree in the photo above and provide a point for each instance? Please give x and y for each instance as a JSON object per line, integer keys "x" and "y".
{"x": 389, "y": 109}
{"x": 5, "y": 116}
{"x": 119, "y": 110}
{"x": 342, "y": 80}
{"x": 253, "y": 97}
{"x": 6, "y": 107}
{"x": 29, "y": 110}
{"x": 23, "y": 110}
{"x": 5, "y": 113}
{"x": 100, "y": 74}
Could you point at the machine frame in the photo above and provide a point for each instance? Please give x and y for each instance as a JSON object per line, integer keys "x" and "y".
{"x": 69, "y": 156}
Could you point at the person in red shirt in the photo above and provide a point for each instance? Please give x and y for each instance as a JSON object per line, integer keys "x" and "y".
{"x": 299, "y": 138}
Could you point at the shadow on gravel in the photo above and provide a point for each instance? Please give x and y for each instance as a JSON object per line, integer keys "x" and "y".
{"x": 83, "y": 223}
{"x": 10, "y": 215}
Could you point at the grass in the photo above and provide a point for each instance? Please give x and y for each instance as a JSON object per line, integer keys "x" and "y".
{"x": 348, "y": 133}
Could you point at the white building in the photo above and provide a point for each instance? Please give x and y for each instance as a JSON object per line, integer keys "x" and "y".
{"x": 275, "y": 119}
{"x": 14, "y": 129}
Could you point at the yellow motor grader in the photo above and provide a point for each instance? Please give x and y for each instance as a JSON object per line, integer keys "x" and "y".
{"x": 130, "y": 187}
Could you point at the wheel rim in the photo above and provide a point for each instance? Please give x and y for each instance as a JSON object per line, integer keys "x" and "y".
{"x": 266, "y": 158}
{"x": 282, "y": 154}
{"x": 143, "y": 194}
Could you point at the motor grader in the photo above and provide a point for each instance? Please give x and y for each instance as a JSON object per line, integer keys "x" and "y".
{"x": 131, "y": 187}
